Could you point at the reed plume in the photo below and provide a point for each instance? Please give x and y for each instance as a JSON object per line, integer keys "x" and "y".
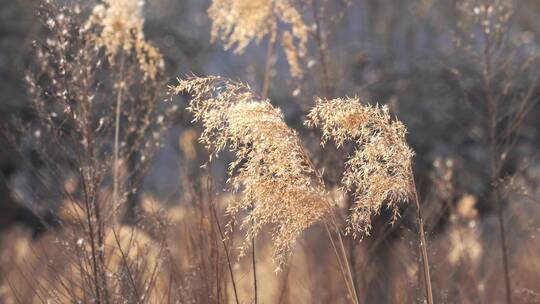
{"x": 116, "y": 26}
{"x": 379, "y": 170}
{"x": 121, "y": 23}
{"x": 239, "y": 22}
{"x": 271, "y": 169}
{"x": 73, "y": 85}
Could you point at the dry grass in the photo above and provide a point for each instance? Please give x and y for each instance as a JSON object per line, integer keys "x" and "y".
{"x": 379, "y": 170}
{"x": 275, "y": 178}
{"x": 283, "y": 230}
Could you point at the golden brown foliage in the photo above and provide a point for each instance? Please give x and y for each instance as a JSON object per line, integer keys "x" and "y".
{"x": 379, "y": 170}
{"x": 287, "y": 43}
{"x": 239, "y": 22}
{"x": 121, "y": 23}
{"x": 271, "y": 168}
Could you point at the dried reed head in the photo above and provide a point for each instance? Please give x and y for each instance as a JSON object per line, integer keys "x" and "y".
{"x": 70, "y": 92}
{"x": 121, "y": 23}
{"x": 271, "y": 168}
{"x": 287, "y": 43}
{"x": 379, "y": 170}
{"x": 239, "y": 22}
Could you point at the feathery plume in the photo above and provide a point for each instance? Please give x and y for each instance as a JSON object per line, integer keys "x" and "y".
{"x": 239, "y": 22}
{"x": 271, "y": 169}
{"x": 379, "y": 170}
{"x": 287, "y": 43}
{"x": 121, "y": 23}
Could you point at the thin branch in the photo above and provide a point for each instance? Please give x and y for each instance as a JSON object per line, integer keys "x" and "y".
{"x": 268, "y": 66}
{"x": 322, "y": 49}
{"x": 423, "y": 245}
{"x": 254, "y": 267}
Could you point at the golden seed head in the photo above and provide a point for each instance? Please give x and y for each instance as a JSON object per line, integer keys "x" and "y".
{"x": 270, "y": 168}
{"x": 378, "y": 172}
{"x": 239, "y": 22}
{"x": 121, "y": 23}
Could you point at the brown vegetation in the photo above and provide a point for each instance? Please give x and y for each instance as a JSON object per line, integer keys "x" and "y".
{"x": 289, "y": 195}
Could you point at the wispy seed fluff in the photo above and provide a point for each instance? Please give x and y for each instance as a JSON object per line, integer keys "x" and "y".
{"x": 121, "y": 29}
{"x": 378, "y": 172}
{"x": 239, "y": 22}
{"x": 271, "y": 169}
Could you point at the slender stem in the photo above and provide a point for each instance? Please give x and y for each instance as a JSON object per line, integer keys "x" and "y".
{"x": 119, "y": 97}
{"x": 352, "y": 260}
{"x": 124, "y": 257}
{"x": 264, "y": 95}
{"x": 101, "y": 249}
{"x": 268, "y": 66}
{"x": 504, "y": 247}
{"x": 322, "y": 49}
{"x": 90, "y": 222}
{"x": 254, "y": 267}
{"x": 423, "y": 245}
{"x": 226, "y": 253}
{"x": 93, "y": 249}
{"x": 352, "y": 255}
{"x": 495, "y": 161}
{"x": 216, "y": 263}
{"x": 349, "y": 272}
{"x": 340, "y": 263}
{"x": 349, "y": 282}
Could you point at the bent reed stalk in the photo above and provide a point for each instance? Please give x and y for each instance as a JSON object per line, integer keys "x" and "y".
{"x": 422, "y": 245}
{"x": 379, "y": 170}
{"x": 281, "y": 186}
{"x": 277, "y": 180}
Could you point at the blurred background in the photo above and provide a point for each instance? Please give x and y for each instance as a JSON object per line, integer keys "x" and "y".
{"x": 416, "y": 56}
